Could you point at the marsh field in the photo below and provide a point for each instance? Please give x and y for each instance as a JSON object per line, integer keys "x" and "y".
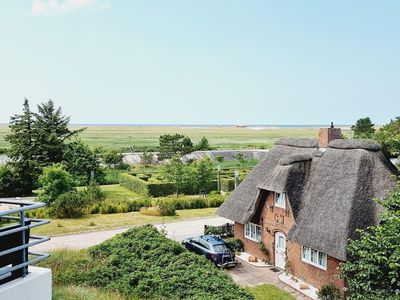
{"x": 121, "y": 136}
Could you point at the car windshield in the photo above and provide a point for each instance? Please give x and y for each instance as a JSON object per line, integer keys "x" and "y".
{"x": 220, "y": 248}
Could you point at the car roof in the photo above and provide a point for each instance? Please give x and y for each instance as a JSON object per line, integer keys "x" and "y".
{"x": 213, "y": 239}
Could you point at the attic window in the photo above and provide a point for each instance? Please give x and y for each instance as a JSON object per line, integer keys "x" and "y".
{"x": 280, "y": 200}
{"x": 314, "y": 257}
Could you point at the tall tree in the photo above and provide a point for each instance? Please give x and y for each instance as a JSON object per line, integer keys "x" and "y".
{"x": 203, "y": 145}
{"x": 171, "y": 145}
{"x": 176, "y": 172}
{"x": 203, "y": 172}
{"x": 81, "y": 162}
{"x": 22, "y": 151}
{"x": 51, "y": 131}
{"x": 373, "y": 269}
{"x": 363, "y": 129}
{"x": 389, "y": 137}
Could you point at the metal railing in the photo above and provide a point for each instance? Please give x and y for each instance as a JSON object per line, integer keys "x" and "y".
{"x": 16, "y": 239}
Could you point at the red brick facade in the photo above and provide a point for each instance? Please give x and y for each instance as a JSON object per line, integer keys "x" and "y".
{"x": 328, "y": 134}
{"x": 273, "y": 219}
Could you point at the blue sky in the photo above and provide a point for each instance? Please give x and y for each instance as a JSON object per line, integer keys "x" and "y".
{"x": 203, "y": 62}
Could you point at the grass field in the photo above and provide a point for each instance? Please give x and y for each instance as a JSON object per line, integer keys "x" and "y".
{"x": 219, "y": 137}
{"x": 109, "y": 221}
{"x": 269, "y": 292}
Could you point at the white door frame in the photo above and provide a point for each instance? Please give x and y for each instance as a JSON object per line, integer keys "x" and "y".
{"x": 280, "y": 250}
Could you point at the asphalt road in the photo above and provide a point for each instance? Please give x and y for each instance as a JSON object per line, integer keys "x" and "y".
{"x": 175, "y": 230}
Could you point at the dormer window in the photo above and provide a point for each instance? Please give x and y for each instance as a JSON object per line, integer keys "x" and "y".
{"x": 280, "y": 200}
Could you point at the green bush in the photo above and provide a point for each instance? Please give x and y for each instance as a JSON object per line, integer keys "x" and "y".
{"x": 227, "y": 184}
{"x": 143, "y": 263}
{"x": 235, "y": 244}
{"x": 93, "y": 193}
{"x": 55, "y": 181}
{"x": 167, "y": 208}
{"x": 69, "y": 205}
{"x": 142, "y": 187}
{"x": 329, "y": 292}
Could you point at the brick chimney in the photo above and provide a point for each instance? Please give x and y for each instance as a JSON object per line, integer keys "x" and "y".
{"x": 328, "y": 134}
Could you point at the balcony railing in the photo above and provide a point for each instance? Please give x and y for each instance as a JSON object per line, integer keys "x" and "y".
{"x": 15, "y": 239}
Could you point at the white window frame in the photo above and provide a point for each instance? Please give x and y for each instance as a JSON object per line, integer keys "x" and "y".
{"x": 280, "y": 200}
{"x": 307, "y": 255}
{"x": 252, "y": 232}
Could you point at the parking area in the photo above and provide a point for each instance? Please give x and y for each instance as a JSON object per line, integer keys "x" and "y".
{"x": 247, "y": 276}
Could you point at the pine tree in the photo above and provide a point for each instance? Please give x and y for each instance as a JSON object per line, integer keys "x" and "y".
{"x": 22, "y": 151}
{"x": 51, "y": 131}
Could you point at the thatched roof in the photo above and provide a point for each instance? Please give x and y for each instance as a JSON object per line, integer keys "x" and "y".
{"x": 330, "y": 193}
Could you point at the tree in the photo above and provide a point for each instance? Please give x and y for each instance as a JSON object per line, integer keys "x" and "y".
{"x": 187, "y": 145}
{"x": 173, "y": 145}
{"x": 203, "y": 145}
{"x": 51, "y": 132}
{"x": 175, "y": 171}
{"x": 373, "y": 269}
{"x": 146, "y": 158}
{"x": 10, "y": 183}
{"x": 71, "y": 204}
{"x": 363, "y": 129}
{"x": 203, "y": 171}
{"x": 55, "y": 181}
{"x": 114, "y": 159}
{"x": 81, "y": 162}
{"x": 389, "y": 137}
{"x": 22, "y": 151}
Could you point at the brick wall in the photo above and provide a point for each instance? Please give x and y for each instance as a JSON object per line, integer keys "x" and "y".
{"x": 328, "y": 134}
{"x": 274, "y": 219}
{"x": 311, "y": 274}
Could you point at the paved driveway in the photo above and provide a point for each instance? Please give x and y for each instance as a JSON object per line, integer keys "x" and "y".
{"x": 175, "y": 230}
{"x": 247, "y": 276}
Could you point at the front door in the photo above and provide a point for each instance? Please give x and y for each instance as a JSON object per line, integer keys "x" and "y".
{"x": 280, "y": 250}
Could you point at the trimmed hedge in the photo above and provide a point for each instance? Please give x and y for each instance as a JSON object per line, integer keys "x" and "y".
{"x": 142, "y": 187}
{"x": 227, "y": 184}
{"x": 151, "y": 186}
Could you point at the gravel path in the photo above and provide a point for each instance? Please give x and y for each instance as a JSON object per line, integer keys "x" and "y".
{"x": 175, "y": 230}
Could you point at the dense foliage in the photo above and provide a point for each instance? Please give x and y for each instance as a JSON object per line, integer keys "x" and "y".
{"x": 389, "y": 137}
{"x": 373, "y": 269}
{"x": 82, "y": 163}
{"x": 143, "y": 263}
{"x": 363, "y": 129}
{"x": 55, "y": 181}
{"x": 71, "y": 204}
{"x": 172, "y": 145}
{"x": 114, "y": 159}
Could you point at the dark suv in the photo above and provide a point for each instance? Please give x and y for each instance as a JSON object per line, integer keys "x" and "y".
{"x": 212, "y": 247}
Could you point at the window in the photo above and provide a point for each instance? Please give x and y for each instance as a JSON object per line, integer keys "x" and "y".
{"x": 314, "y": 257}
{"x": 252, "y": 232}
{"x": 280, "y": 200}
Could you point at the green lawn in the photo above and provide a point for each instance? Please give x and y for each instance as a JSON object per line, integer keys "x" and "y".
{"x": 269, "y": 292}
{"x": 109, "y": 221}
{"x": 219, "y": 137}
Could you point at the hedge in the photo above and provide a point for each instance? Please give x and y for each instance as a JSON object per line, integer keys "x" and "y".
{"x": 146, "y": 185}
{"x": 227, "y": 184}
{"x": 142, "y": 187}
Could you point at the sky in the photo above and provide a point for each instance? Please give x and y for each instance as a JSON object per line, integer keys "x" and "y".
{"x": 202, "y": 62}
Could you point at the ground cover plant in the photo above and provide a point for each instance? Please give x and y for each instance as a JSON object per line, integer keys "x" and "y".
{"x": 143, "y": 263}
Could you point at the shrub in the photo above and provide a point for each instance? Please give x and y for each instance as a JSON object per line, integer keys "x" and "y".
{"x": 55, "y": 181}
{"x": 235, "y": 244}
{"x": 227, "y": 184}
{"x": 69, "y": 205}
{"x": 329, "y": 292}
{"x": 93, "y": 193}
{"x": 163, "y": 269}
{"x": 167, "y": 208}
{"x": 150, "y": 211}
{"x": 142, "y": 187}
{"x": 226, "y": 230}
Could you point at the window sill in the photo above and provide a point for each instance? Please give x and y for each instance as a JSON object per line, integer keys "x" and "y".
{"x": 313, "y": 264}
{"x": 251, "y": 239}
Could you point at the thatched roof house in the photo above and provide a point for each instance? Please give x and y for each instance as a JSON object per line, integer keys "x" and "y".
{"x": 330, "y": 191}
